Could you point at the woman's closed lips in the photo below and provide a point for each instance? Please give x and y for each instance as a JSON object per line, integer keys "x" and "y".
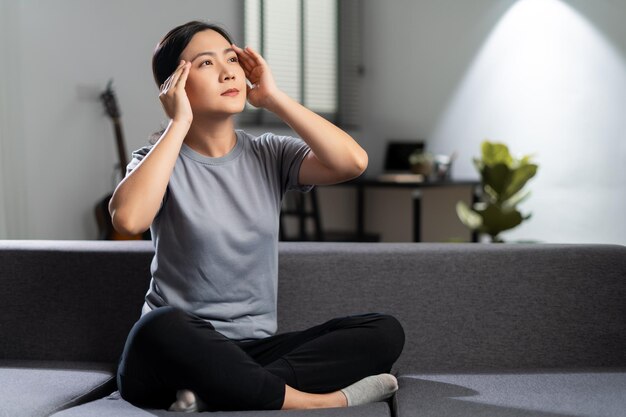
{"x": 231, "y": 92}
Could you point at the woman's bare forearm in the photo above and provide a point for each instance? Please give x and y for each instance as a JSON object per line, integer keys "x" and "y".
{"x": 137, "y": 198}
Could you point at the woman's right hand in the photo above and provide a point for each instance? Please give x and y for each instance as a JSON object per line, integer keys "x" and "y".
{"x": 173, "y": 95}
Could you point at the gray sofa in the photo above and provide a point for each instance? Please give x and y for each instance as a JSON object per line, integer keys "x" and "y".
{"x": 491, "y": 329}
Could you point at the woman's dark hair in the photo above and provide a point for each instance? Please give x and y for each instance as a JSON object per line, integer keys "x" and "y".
{"x": 166, "y": 55}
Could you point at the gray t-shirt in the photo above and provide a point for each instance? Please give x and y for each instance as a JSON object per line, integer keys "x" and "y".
{"x": 216, "y": 233}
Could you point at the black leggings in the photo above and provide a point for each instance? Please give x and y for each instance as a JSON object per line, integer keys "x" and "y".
{"x": 169, "y": 349}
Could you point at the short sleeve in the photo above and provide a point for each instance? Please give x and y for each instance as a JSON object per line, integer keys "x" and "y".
{"x": 137, "y": 156}
{"x": 291, "y": 152}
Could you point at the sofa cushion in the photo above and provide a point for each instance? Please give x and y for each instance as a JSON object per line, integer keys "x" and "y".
{"x": 115, "y": 406}
{"x": 39, "y": 388}
{"x": 548, "y": 392}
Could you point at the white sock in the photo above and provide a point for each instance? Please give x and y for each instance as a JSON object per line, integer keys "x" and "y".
{"x": 188, "y": 402}
{"x": 371, "y": 389}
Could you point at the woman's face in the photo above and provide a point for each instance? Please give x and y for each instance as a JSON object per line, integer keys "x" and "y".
{"x": 214, "y": 70}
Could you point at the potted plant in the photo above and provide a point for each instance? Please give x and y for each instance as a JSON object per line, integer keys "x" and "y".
{"x": 502, "y": 180}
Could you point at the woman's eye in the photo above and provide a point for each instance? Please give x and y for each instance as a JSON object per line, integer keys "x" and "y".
{"x": 204, "y": 62}
{"x": 235, "y": 59}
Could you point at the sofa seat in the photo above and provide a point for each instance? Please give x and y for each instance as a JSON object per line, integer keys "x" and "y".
{"x": 538, "y": 393}
{"x": 40, "y": 388}
{"x": 115, "y": 406}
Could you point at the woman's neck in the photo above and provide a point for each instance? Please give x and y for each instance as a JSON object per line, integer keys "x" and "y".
{"x": 211, "y": 137}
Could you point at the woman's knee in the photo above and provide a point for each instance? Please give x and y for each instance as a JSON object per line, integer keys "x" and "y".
{"x": 390, "y": 331}
{"x": 162, "y": 316}
{"x": 147, "y": 337}
{"x": 156, "y": 322}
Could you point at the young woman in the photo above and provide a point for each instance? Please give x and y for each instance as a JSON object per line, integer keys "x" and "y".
{"x": 211, "y": 195}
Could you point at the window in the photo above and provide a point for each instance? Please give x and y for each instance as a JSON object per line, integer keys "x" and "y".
{"x": 313, "y": 58}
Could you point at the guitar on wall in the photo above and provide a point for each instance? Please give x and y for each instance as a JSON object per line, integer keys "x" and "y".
{"x": 103, "y": 217}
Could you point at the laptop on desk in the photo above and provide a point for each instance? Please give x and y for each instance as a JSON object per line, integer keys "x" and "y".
{"x": 397, "y": 167}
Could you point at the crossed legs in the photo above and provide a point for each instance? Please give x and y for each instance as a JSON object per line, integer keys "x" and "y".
{"x": 168, "y": 350}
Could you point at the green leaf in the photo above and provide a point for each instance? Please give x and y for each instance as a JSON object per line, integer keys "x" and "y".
{"x": 519, "y": 177}
{"x": 496, "y": 153}
{"x": 526, "y": 159}
{"x": 513, "y": 201}
{"x": 479, "y": 205}
{"x": 490, "y": 192}
{"x": 497, "y": 176}
{"x": 468, "y": 216}
{"x": 496, "y": 220}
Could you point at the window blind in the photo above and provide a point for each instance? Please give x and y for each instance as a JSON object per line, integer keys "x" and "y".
{"x": 320, "y": 55}
{"x": 282, "y": 43}
{"x": 314, "y": 58}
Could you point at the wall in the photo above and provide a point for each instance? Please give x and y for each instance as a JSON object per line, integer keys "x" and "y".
{"x": 12, "y": 193}
{"x": 543, "y": 76}
{"x": 67, "y": 50}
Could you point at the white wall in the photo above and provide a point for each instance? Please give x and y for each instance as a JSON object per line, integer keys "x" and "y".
{"x": 543, "y": 76}
{"x": 66, "y": 51}
{"x": 12, "y": 193}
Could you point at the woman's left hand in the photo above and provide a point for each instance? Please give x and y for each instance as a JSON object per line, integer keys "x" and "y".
{"x": 264, "y": 89}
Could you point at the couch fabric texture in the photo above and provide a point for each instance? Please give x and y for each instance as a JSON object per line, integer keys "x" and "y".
{"x": 491, "y": 329}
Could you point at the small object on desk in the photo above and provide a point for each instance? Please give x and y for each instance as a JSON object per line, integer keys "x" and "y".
{"x": 443, "y": 166}
{"x": 401, "y": 177}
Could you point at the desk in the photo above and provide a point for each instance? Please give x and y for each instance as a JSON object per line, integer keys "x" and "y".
{"x": 362, "y": 183}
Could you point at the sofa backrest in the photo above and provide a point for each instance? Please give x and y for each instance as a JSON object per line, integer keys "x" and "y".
{"x": 70, "y": 300}
{"x": 468, "y": 306}
{"x": 463, "y": 306}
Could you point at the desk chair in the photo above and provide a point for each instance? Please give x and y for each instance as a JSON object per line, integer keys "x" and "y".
{"x": 295, "y": 205}
{"x": 304, "y": 206}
